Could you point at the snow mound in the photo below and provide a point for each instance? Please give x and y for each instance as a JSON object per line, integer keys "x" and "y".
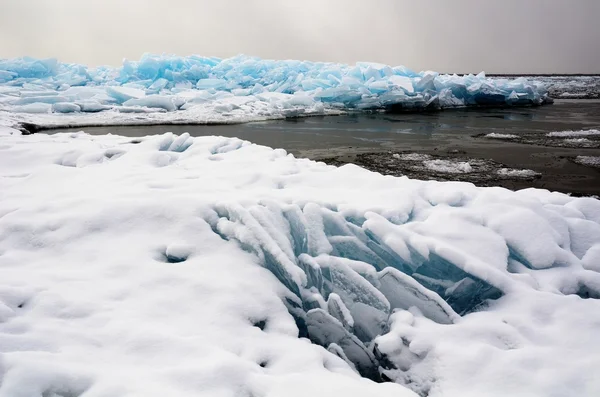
{"x": 242, "y": 88}
{"x": 172, "y": 265}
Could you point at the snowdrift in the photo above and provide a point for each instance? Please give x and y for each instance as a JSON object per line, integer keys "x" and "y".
{"x": 172, "y": 265}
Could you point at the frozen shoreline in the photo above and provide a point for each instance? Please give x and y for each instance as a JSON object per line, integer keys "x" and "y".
{"x": 166, "y": 263}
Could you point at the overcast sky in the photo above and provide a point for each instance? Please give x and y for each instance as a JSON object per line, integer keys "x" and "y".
{"x": 502, "y": 36}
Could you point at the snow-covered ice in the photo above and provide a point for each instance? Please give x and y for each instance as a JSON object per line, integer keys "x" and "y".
{"x": 170, "y": 89}
{"x": 573, "y": 134}
{"x": 411, "y": 156}
{"x": 577, "y": 141}
{"x": 517, "y": 173}
{"x": 593, "y": 161}
{"x": 448, "y": 166}
{"x": 496, "y": 135}
{"x": 172, "y": 265}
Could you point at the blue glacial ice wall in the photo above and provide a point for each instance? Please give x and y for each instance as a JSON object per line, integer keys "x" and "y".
{"x": 169, "y": 83}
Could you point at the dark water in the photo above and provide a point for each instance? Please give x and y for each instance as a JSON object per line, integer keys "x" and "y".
{"x": 452, "y": 133}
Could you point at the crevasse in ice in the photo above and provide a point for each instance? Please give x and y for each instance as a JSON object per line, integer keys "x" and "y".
{"x": 169, "y": 83}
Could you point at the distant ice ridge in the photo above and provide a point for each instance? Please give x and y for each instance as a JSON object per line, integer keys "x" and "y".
{"x": 204, "y": 89}
{"x": 171, "y": 265}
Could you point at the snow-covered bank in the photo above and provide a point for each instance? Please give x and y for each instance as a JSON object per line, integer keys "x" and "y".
{"x": 170, "y": 89}
{"x": 190, "y": 266}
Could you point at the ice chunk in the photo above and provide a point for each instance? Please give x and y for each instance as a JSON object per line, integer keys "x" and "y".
{"x": 404, "y": 292}
{"x": 325, "y": 330}
{"x": 515, "y": 173}
{"x": 91, "y": 106}
{"x": 153, "y": 101}
{"x": 448, "y": 166}
{"x": 206, "y": 84}
{"x": 123, "y": 94}
{"x": 403, "y": 82}
{"x": 496, "y": 135}
{"x": 337, "y": 309}
{"x": 65, "y": 107}
{"x": 33, "y": 108}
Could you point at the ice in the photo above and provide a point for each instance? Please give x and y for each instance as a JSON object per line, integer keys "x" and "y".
{"x": 411, "y": 156}
{"x": 37, "y": 107}
{"x": 448, "y": 166}
{"x": 326, "y": 330}
{"x": 91, "y": 106}
{"x": 65, "y": 107}
{"x": 516, "y": 173}
{"x": 153, "y": 101}
{"x": 568, "y": 134}
{"x": 592, "y": 161}
{"x": 123, "y": 94}
{"x": 577, "y": 141}
{"x": 496, "y": 135}
{"x": 171, "y": 83}
{"x": 405, "y": 292}
{"x": 205, "y": 266}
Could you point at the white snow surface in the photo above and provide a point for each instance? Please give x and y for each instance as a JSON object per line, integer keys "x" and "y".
{"x": 169, "y": 266}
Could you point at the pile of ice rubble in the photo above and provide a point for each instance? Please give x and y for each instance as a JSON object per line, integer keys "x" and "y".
{"x": 171, "y": 265}
{"x": 238, "y": 89}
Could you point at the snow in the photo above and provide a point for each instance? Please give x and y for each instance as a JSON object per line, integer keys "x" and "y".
{"x": 239, "y": 89}
{"x": 172, "y": 265}
{"x": 567, "y": 134}
{"x": 583, "y": 142}
{"x": 496, "y": 135}
{"x": 517, "y": 173}
{"x": 448, "y": 166}
{"x": 411, "y": 156}
{"x": 593, "y": 161}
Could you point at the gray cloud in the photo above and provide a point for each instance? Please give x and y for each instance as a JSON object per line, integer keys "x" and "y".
{"x": 536, "y": 36}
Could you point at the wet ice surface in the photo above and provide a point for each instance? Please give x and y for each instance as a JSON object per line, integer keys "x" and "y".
{"x": 453, "y": 167}
{"x": 587, "y": 138}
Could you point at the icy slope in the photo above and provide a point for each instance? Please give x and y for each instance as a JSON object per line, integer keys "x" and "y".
{"x": 190, "y": 266}
{"x": 238, "y": 89}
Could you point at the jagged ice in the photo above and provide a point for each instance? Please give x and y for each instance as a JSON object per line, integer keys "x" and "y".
{"x": 194, "y": 89}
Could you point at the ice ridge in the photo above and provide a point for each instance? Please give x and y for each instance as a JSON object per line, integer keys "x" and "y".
{"x": 243, "y": 88}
